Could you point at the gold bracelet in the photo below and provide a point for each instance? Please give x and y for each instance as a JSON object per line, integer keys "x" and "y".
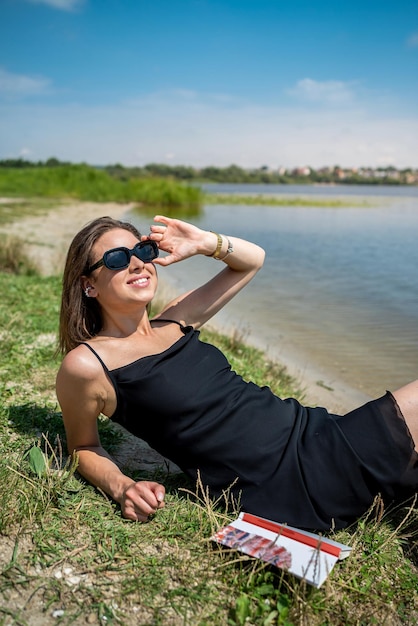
{"x": 215, "y": 255}
{"x": 229, "y": 250}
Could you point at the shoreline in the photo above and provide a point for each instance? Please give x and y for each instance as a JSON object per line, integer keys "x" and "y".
{"x": 320, "y": 387}
{"x": 48, "y": 237}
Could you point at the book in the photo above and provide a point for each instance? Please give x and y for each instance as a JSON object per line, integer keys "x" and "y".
{"x": 306, "y": 555}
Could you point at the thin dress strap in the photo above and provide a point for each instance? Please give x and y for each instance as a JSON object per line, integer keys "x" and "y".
{"x": 103, "y": 364}
{"x": 108, "y": 373}
{"x": 162, "y": 319}
{"x": 96, "y": 355}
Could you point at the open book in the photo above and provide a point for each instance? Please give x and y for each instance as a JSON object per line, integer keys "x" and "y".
{"x": 306, "y": 555}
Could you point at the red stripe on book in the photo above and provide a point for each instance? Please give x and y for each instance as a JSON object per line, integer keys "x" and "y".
{"x": 319, "y": 544}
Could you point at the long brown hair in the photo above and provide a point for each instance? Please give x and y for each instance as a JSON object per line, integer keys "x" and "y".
{"x": 81, "y": 317}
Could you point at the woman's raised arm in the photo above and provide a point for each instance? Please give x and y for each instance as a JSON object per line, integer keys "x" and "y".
{"x": 182, "y": 240}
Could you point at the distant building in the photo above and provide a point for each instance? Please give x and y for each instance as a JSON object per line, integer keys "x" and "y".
{"x": 301, "y": 171}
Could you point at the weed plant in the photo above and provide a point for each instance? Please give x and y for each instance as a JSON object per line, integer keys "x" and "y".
{"x": 68, "y": 557}
{"x": 13, "y": 258}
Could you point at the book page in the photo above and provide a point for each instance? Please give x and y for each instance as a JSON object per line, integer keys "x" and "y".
{"x": 303, "y": 554}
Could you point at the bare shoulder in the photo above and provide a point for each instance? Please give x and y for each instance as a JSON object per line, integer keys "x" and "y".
{"x": 81, "y": 378}
{"x": 81, "y": 386}
{"x": 80, "y": 364}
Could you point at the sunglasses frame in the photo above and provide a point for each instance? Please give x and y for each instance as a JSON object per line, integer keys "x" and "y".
{"x": 129, "y": 253}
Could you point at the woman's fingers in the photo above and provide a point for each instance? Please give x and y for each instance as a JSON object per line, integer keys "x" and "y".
{"x": 142, "y": 499}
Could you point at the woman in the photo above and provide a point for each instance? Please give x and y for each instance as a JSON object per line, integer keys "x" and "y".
{"x": 277, "y": 458}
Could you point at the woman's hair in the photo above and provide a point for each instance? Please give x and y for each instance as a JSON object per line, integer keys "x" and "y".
{"x": 81, "y": 317}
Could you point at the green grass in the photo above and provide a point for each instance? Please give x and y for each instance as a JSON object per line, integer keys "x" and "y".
{"x": 285, "y": 200}
{"x": 83, "y": 182}
{"x": 67, "y": 555}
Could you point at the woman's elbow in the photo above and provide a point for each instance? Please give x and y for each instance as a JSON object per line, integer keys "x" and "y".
{"x": 260, "y": 258}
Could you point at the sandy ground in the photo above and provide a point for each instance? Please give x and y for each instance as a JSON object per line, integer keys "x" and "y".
{"x": 49, "y": 235}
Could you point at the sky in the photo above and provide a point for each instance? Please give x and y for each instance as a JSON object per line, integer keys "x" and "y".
{"x": 210, "y": 82}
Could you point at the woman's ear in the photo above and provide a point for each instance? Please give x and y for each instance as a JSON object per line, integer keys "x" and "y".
{"x": 88, "y": 289}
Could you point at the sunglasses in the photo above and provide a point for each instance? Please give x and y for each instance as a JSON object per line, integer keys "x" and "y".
{"x": 119, "y": 258}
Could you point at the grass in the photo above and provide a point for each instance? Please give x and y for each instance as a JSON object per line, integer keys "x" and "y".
{"x": 276, "y": 200}
{"x": 83, "y": 182}
{"x": 68, "y": 557}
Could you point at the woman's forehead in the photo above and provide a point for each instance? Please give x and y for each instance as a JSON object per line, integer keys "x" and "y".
{"x": 115, "y": 238}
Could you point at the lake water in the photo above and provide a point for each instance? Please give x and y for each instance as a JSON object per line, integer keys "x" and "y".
{"x": 337, "y": 299}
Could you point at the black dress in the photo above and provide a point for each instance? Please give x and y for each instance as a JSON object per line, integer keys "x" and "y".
{"x": 293, "y": 464}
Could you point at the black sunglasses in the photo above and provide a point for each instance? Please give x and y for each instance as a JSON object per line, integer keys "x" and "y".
{"x": 119, "y": 258}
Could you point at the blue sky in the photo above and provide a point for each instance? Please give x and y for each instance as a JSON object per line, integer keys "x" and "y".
{"x": 210, "y": 82}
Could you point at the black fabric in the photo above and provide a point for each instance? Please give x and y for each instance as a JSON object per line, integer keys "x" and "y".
{"x": 293, "y": 464}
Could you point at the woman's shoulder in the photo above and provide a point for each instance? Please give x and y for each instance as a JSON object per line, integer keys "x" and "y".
{"x": 80, "y": 363}
{"x": 81, "y": 385}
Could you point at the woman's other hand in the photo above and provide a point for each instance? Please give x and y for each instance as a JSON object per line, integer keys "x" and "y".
{"x": 141, "y": 499}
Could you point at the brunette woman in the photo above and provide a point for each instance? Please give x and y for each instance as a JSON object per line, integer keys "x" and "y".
{"x": 281, "y": 460}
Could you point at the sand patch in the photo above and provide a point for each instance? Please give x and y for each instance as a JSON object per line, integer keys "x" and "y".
{"x": 48, "y": 236}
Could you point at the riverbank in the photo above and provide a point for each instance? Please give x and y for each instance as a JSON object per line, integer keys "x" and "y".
{"x": 48, "y": 237}
{"x": 321, "y": 386}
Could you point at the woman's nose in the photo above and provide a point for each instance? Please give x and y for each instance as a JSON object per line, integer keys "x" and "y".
{"x": 135, "y": 263}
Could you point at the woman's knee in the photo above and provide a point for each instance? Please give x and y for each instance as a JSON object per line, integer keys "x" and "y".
{"x": 407, "y": 400}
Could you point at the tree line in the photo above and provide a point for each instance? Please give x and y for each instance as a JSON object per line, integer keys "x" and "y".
{"x": 234, "y": 173}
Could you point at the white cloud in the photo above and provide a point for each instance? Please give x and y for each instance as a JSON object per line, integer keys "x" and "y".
{"x": 19, "y": 85}
{"x": 412, "y": 41}
{"x": 63, "y": 5}
{"x": 199, "y": 131}
{"x": 325, "y": 92}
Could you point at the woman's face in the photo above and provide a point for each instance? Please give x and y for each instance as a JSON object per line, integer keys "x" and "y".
{"x": 136, "y": 283}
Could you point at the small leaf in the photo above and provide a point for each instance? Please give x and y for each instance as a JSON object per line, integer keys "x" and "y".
{"x": 242, "y": 609}
{"x": 265, "y": 589}
{"x": 37, "y": 461}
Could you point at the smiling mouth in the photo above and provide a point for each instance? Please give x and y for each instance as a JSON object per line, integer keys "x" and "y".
{"x": 139, "y": 281}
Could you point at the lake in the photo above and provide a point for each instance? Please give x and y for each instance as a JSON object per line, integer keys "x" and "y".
{"x": 337, "y": 299}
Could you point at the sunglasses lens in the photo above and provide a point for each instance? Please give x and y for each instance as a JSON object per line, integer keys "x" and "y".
{"x": 147, "y": 251}
{"x": 119, "y": 258}
{"x": 116, "y": 259}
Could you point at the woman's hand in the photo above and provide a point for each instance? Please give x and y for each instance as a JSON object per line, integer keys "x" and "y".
{"x": 180, "y": 239}
{"x": 141, "y": 499}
